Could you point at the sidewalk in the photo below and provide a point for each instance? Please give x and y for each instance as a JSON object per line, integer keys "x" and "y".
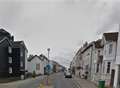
{"x": 85, "y": 83}
{"x": 15, "y": 84}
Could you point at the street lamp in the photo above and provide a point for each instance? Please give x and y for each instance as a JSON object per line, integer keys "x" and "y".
{"x": 48, "y": 52}
{"x": 48, "y": 67}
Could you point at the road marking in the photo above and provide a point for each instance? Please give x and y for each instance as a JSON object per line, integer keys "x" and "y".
{"x": 42, "y": 86}
{"x": 76, "y": 84}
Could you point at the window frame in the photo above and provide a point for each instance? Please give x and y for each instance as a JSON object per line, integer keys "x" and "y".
{"x": 108, "y": 67}
{"x": 10, "y": 60}
{"x": 10, "y": 70}
{"x": 110, "y": 48}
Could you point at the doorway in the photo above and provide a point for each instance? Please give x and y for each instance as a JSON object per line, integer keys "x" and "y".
{"x": 112, "y": 78}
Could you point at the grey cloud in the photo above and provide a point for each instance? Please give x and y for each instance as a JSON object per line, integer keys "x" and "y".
{"x": 62, "y": 25}
{"x": 112, "y": 17}
{"x": 10, "y": 11}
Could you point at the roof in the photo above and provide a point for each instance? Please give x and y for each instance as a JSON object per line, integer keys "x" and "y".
{"x": 44, "y": 57}
{"x": 87, "y": 47}
{"x": 32, "y": 57}
{"x": 112, "y": 36}
{"x": 2, "y": 31}
{"x": 98, "y": 44}
{"x": 20, "y": 43}
{"x": 4, "y": 35}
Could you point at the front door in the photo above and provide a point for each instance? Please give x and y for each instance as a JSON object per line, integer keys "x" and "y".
{"x": 112, "y": 77}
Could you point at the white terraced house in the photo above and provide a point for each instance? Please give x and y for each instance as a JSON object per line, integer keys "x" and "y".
{"x": 35, "y": 64}
{"x": 109, "y": 41}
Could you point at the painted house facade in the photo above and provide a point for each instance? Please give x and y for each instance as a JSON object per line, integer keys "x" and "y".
{"x": 45, "y": 62}
{"x": 6, "y": 41}
{"x": 109, "y": 41}
{"x": 19, "y": 58}
{"x": 117, "y": 64}
{"x": 97, "y": 57}
{"x": 35, "y": 64}
{"x": 87, "y": 61}
{"x": 78, "y": 61}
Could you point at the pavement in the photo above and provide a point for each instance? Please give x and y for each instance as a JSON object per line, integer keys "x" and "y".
{"x": 85, "y": 83}
{"x": 28, "y": 83}
{"x": 55, "y": 81}
{"x": 59, "y": 81}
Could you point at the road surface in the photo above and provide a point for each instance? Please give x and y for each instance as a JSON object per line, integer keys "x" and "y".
{"x": 61, "y": 82}
{"x": 58, "y": 81}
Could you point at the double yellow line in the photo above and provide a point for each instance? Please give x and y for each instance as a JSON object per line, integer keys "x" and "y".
{"x": 42, "y": 86}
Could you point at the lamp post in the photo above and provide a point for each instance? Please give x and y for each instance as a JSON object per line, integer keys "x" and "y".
{"x": 48, "y": 66}
{"x": 48, "y": 52}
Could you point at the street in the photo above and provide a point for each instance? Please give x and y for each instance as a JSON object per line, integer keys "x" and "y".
{"x": 59, "y": 81}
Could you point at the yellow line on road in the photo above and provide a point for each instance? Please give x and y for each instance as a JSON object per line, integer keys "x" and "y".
{"x": 42, "y": 86}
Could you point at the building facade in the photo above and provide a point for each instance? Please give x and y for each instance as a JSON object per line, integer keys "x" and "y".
{"x": 97, "y": 60}
{"x": 109, "y": 57}
{"x": 97, "y": 57}
{"x": 35, "y": 65}
{"x": 6, "y": 41}
{"x": 19, "y": 58}
{"x": 117, "y": 64}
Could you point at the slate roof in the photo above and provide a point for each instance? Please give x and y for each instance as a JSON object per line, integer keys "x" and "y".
{"x": 20, "y": 43}
{"x": 32, "y": 57}
{"x": 98, "y": 44}
{"x": 87, "y": 47}
{"x": 44, "y": 57}
{"x": 2, "y": 31}
{"x": 40, "y": 57}
{"x": 113, "y": 36}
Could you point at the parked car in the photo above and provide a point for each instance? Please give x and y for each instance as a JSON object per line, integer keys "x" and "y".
{"x": 68, "y": 74}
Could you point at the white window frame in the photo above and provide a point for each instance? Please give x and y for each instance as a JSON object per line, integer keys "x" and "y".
{"x": 10, "y": 70}
{"x": 21, "y": 54}
{"x": 10, "y": 60}
{"x": 108, "y": 67}
{"x": 110, "y": 48}
{"x": 21, "y": 63}
{"x": 10, "y": 50}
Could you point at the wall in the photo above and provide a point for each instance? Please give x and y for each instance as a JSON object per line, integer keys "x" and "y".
{"x": 107, "y": 57}
{"x": 32, "y": 65}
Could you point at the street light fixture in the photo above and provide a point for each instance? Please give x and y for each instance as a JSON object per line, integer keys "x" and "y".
{"x": 48, "y": 52}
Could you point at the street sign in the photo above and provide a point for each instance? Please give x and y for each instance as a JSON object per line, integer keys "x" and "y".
{"x": 48, "y": 68}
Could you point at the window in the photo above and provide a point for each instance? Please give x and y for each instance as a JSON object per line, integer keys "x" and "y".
{"x": 10, "y": 60}
{"x": 110, "y": 48}
{"x": 97, "y": 69}
{"x": 10, "y": 70}
{"x": 103, "y": 67}
{"x": 21, "y": 54}
{"x": 9, "y": 50}
{"x": 98, "y": 52}
{"x": 86, "y": 67}
{"x": 37, "y": 66}
{"x": 108, "y": 67}
{"x": 21, "y": 64}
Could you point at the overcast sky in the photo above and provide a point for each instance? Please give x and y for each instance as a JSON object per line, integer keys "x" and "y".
{"x": 62, "y": 25}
